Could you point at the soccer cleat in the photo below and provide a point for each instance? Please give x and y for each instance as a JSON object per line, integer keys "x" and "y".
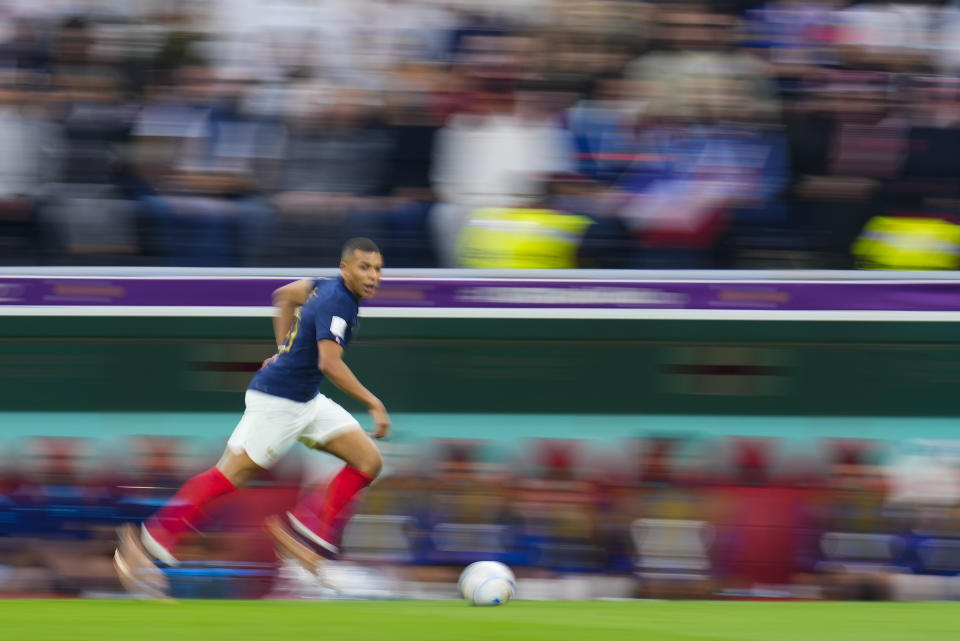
{"x": 311, "y": 539}
{"x": 289, "y": 545}
{"x": 295, "y": 582}
{"x": 132, "y": 581}
{"x": 152, "y": 547}
{"x": 136, "y": 569}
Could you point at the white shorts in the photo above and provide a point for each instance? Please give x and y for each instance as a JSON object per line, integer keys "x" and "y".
{"x": 271, "y": 424}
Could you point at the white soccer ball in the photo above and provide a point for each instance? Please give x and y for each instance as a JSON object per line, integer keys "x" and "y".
{"x": 487, "y": 583}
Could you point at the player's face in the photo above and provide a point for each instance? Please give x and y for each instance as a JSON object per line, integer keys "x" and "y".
{"x": 361, "y": 272}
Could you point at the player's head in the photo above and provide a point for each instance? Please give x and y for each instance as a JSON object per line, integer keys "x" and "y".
{"x": 360, "y": 265}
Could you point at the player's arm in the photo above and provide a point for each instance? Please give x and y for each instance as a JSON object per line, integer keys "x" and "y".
{"x": 336, "y": 371}
{"x": 286, "y": 300}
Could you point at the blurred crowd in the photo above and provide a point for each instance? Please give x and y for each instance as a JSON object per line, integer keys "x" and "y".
{"x": 470, "y": 133}
{"x": 668, "y": 517}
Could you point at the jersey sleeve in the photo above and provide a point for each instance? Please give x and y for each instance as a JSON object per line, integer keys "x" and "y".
{"x": 333, "y": 321}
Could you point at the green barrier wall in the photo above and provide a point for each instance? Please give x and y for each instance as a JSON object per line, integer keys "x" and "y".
{"x": 105, "y": 364}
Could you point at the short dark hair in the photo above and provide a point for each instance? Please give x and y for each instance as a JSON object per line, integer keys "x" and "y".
{"x": 358, "y": 244}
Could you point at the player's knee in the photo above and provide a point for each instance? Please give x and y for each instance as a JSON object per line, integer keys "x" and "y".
{"x": 237, "y": 467}
{"x": 370, "y": 464}
{"x": 239, "y": 477}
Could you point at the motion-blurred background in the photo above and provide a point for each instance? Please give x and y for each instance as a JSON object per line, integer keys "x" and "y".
{"x": 530, "y": 133}
{"x": 597, "y": 459}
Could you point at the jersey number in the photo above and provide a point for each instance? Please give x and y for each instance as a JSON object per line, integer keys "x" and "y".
{"x": 292, "y": 334}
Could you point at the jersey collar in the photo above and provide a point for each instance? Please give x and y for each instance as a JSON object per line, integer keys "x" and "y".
{"x": 343, "y": 284}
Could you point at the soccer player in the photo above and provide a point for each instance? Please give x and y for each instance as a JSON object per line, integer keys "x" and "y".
{"x": 314, "y": 322}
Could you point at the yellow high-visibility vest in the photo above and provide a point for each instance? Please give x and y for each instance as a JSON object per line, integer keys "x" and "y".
{"x": 516, "y": 238}
{"x": 891, "y": 242}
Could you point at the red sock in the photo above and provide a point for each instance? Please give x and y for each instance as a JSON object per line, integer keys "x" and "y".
{"x": 325, "y": 511}
{"x": 184, "y": 510}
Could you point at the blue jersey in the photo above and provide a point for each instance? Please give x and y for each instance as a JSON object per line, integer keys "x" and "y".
{"x": 329, "y": 313}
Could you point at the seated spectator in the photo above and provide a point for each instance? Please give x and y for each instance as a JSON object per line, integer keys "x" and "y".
{"x": 202, "y": 162}
{"x": 334, "y": 164}
{"x": 23, "y": 169}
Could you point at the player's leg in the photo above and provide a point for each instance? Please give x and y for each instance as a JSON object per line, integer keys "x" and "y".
{"x": 139, "y": 550}
{"x": 311, "y": 530}
{"x": 323, "y": 512}
{"x": 268, "y": 428}
{"x": 184, "y": 511}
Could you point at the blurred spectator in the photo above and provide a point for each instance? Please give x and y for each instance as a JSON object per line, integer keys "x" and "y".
{"x": 696, "y": 181}
{"x": 413, "y": 120}
{"x": 697, "y": 63}
{"x": 888, "y": 35}
{"x": 604, "y": 125}
{"x": 848, "y": 141}
{"x": 794, "y": 36}
{"x": 495, "y": 155}
{"x": 84, "y": 212}
{"x": 23, "y": 171}
{"x": 335, "y": 164}
{"x": 203, "y": 162}
{"x": 911, "y": 243}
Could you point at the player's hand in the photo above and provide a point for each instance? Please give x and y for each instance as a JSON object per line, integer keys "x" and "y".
{"x": 381, "y": 420}
{"x": 269, "y": 360}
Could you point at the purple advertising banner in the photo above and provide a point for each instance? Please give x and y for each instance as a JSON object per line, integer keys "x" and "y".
{"x": 427, "y": 293}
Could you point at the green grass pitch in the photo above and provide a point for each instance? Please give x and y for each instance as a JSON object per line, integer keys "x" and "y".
{"x": 94, "y": 620}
